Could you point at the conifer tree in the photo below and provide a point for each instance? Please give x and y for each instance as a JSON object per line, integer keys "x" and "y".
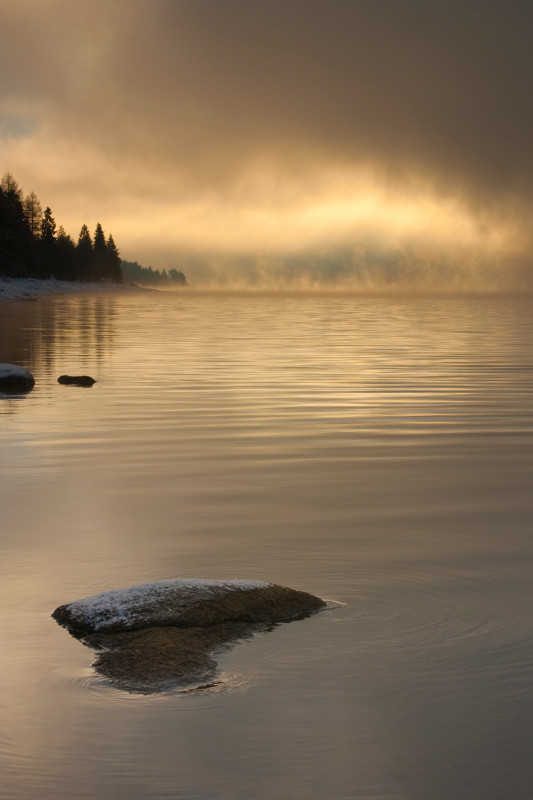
{"x": 9, "y": 185}
{"x": 113, "y": 261}
{"x": 47, "y": 246}
{"x": 33, "y": 213}
{"x": 63, "y": 235}
{"x": 48, "y": 226}
{"x": 85, "y": 237}
{"x": 15, "y": 234}
{"x": 30, "y": 245}
{"x": 66, "y": 256}
{"x": 99, "y": 254}
{"x": 84, "y": 255}
{"x": 99, "y": 238}
{"x": 177, "y": 277}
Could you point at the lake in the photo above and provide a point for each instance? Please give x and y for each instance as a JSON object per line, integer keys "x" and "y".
{"x": 375, "y": 451}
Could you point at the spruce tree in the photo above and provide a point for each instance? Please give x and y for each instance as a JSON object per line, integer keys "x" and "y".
{"x": 30, "y": 245}
{"x": 113, "y": 261}
{"x": 66, "y": 256}
{"x": 177, "y": 277}
{"x": 15, "y": 234}
{"x": 99, "y": 255}
{"x": 47, "y": 246}
{"x": 84, "y": 255}
{"x": 48, "y": 226}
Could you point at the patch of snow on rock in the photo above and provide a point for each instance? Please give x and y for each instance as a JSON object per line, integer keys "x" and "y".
{"x": 14, "y": 378}
{"x": 14, "y": 371}
{"x": 121, "y": 606}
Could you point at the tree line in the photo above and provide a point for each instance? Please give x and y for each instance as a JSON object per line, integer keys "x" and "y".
{"x": 32, "y": 246}
{"x": 134, "y": 273}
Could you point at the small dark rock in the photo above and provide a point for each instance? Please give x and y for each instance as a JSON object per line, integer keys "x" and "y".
{"x": 76, "y": 380}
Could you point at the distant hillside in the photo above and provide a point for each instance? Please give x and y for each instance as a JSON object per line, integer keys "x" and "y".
{"x": 147, "y": 276}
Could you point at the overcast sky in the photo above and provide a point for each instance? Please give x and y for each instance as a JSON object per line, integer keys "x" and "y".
{"x": 272, "y": 125}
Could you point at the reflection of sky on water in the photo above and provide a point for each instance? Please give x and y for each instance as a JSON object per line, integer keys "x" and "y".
{"x": 47, "y": 333}
{"x": 376, "y": 452}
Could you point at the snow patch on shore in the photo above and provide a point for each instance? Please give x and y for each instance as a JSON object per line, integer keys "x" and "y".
{"x": 120, "y": 606}
{"x": 31, "y": 288}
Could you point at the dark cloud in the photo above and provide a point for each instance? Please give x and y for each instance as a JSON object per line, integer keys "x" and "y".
{"x": 232, "y": 100}
{"x": 444, "y": 88}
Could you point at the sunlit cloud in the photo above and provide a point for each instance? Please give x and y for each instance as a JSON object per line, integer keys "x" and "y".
{"x": 323, "y": 220}
{"x": 272, "y": 128}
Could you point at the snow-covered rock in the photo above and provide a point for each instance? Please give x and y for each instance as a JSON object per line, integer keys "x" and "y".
{"x": 15, "y": 379}
{"x": 184, "y": 603}
{"x": 155, "y": 636}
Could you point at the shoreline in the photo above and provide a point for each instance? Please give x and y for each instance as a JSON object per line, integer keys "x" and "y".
{"x": 33, "y": 289}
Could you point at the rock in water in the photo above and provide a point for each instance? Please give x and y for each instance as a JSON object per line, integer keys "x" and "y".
{"x": 155, "y": 635}
{"x": 184, "y": 603}
{"x": 15, "y": 379}
{"x": 76, "y": 380}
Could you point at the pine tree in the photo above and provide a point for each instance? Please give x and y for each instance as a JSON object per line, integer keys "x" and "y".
{"x": 99, "y": 254}
{"x": 15, "y": 234}
{"x": 85, "y": 237}
{"x": 66, "y": 256}
{"x": 33, "y": 213}
{"x": 113, "y": 261}
{"x": 48, "y": 226}
{"x": 30, "y": 245}
{"x": 177, "y": 277}
{"x": 47, "y": 245}
{"x": 84, "y": 255}
{"x": 99, "y": 238}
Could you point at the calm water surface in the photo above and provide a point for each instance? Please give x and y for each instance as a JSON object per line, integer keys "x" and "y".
{"x": 376, "y": 452}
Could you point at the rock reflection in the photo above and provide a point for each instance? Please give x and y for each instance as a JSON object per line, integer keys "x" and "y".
{"x": 155, "y": 635}
{"x": 158, "y": 659}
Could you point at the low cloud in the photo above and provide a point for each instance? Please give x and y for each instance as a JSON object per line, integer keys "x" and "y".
{"x": 275, "y": 128}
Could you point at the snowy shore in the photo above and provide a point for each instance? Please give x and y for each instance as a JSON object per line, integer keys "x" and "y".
{"x": 31, "y": 288}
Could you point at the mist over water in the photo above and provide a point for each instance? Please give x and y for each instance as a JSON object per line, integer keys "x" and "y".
{"x": 376, "y": 451}
{"x": 369, "y": 267}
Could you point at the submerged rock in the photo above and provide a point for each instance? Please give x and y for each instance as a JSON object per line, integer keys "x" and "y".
{"x": 15, "y": 379}
{"x": 76, "y": 380}
{"x": 155, "y": 635}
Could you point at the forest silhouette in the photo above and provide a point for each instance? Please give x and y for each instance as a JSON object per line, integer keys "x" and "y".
{"x": 135, "y": 273}
{"x": 31, "y": 245}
